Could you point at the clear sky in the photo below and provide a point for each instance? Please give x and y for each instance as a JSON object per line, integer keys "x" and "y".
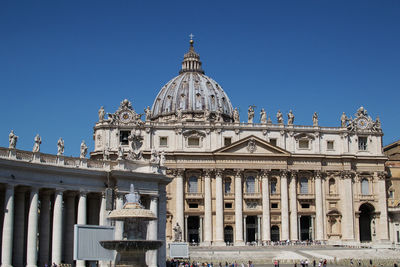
{"x": 61, "y": 60}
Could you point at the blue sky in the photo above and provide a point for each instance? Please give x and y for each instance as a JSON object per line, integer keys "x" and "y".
{"x": 61, "y": 60}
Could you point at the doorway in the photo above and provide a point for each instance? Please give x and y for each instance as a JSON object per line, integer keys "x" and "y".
{"x": 251, "y": 228}
{"x": 275, "y": 233}
{"x": 193, "y": 229}
{"x": 366, "y": 215}
{"x": 305, "y": 228}
{"x": 228, "y": 234}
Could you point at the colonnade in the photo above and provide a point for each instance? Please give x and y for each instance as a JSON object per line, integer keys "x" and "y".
{"x": 288, "y": 200}
{"x": 46, "y": 236}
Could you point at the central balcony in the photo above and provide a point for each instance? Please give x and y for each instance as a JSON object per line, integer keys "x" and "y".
{"x": 194, "y": 195}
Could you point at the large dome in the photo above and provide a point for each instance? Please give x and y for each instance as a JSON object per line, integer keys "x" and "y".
{"x": 192, "y": 94}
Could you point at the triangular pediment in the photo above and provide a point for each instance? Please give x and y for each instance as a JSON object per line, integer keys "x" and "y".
{"x": 252, "y": 145}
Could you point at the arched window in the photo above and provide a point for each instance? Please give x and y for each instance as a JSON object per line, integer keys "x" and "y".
{"x": 193, "y": 184}
{"x": 250, "y": 185}
{"x": 273, "y": 186}
{"x": 332, "y": 186}
{"x": 364, "y": 187}
{"x": 228, "y": 183}
{"x": 303, "y": 185}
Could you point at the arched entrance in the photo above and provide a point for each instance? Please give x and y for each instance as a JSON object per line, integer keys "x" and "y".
{"x": 193, "y": 224}
{"x": 305, "y": 228}
{"x": 228, "y": 234}
{"x": 366, "y": 215}
{"x": 275, "y": 233}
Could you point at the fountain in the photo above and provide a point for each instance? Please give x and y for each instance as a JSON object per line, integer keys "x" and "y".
{"x": 132, "y": 249}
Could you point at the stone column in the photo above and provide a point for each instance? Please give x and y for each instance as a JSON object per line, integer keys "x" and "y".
{"x": 266, "y": 215}
{"x": 293, "y": 206}
{"x": 346, "y": 196}
{"x": 238, "y": 209}
{"x": 258, "y": 229}
{"x": 219, "y": 209}
{"x": 44, "y": 231}
{"x": 382, "y": 204}
{"x": 31, "y": 260}
{"x": 103, "y": 212}
{"x": 19, "y": 227}
{"x": 57, "y": 228}
{"x": 82, "y": 209}
{"x": 284, "y": 206}
{"x": 162, "y": 224}
{"x": 207, "y": 209}
{"x": 119, "y": 225}
{"x": 201, "y": 230}
{"x": 244, "y": 228}
{"x": 180, "y": 201}
{"x": 186, "y": 229}
{"x": 319, "y": 221}
{"x": 8, "y": 227}
{"x": 152, "y": 233}
{"x": 69, "y": 227}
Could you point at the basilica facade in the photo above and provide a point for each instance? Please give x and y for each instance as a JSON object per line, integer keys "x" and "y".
{"x": 253, "y": 182}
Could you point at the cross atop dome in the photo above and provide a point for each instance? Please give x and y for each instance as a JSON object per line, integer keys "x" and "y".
{"x": 191, "y": 60}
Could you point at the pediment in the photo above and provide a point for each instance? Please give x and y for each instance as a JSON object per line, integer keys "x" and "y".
{"x": 252, "y": 145}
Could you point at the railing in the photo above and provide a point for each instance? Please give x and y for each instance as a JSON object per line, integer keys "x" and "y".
{"x": 3, "y": 153}
{"x": 194, "y": 195}
{"x": 305, "y": 196}
{"x": 332, "y": 196}
{"x": 252, "y": 195}
{"x": 275, "y": 196}
{"x": 366, "y": 197}
{"x": 50, "y": 159}
{"x": 229, "y": 195}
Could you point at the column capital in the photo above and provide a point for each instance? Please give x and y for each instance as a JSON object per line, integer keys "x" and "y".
{"x": 318, "y": 174}
{"x": 382, "y": 175}
{"x": 176, "y": 172}
{"x": 154, "y": 198}
{"x": 347, "y": 174}
{"x": 83, "y": 193}
{"x": 238, "y": 172}
{"x": 219, "y": 172}
{"x": 265, "y": 173}
{"x": 207, "y": 172}
{"x": 284, "y": 173}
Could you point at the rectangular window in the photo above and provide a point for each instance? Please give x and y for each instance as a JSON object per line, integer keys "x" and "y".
{"x": 272, "y": 141}
{"x": 398, "y": 236}
{"x": 194, "y": 141}
{"x": 362, "y": 143}
{"x": 305, "y": 206}
{"x": 391, "y": 195}
{"x": 228, "y": 205}
{"x": 273, "y": 187}
{"x": 123, "y": 137}
{"x": 193, "y": 206}
{"x": 303, "y": 185}
{"x": 227, "y": 141}
{"x": 329, "y": 145}
{"x": 163, "y": 141}
{"x": 303, "y": 144}
{"x": 274, "y": 205}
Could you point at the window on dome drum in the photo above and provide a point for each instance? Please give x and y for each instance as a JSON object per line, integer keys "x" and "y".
{"x": 329, "y": 145}
{"x": 163, "y": 141}
{"x": 273, "y": 186}
{"x": 305, "y": 206}
{"x": 303, "y": 185}
{"x": 193, "y": 184}
{"x": 274, "y": 205}
{"x": 228, "y": 184}
{"x": 272, "y": 141}
{"x": 193, "y": 205}
{"x": 250, "y": 184}
{"x": 193, "y": 141}
{"x": 362, "y": 143}
{"x": 228, "y": 205}
{"x": 227, "y": 141}
{"x": 332, "y": 186}
{"x": 304, "y": 144}
{"x": 123, "y": 137}
{"x": 391, "y": 194}
{"x": 364, "y": 187}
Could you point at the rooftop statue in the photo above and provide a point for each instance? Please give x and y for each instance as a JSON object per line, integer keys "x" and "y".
{"x": 83, "y": 150}
{"x": 12, "y": 140}
{"x": 179, "y": 114}
{"x": 206, "y": 114}
{"x": 315, "y": 119}
{"x": 236, "y": 115}
{"x": 60, "y": 147}
{"x": 290, "y": 118}
{"x": 279, "y": 117}
{"x": 154, "y": 158}
{"x": 36, "y": 146}
{"x": 162, "y": 158}
{"x": 343, "y": 120}
{"x": 177, "y": 233}
{"x": 250, "y": 114}
{"x": 147, "y": 112}
{"x": 263, "y": 116}
{"x": 102, "y": 113}
{"x": 120, "y": 152}
{"x": 218, "y": 114}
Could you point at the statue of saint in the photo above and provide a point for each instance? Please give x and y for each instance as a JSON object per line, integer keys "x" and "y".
{"x": 377, "y": 124}
{"x": 343, "y": 120}
{"x": 101, "y": 114}
{"x": 250, "y": 114}
{"x": 315, "y": 119}
{"x": 12, "y": 140}
{"x": 83, "y": 150}
{"x": 206, "y": 114}
{"x": 236, "y": 115}
{"x": 147, "y": 112}
{"x": 177, "y": 233}
{"x": 179, "y": 114}
{"x": 218, "y": 114}
{"x": 36, "y": 146}
{"x": 279, "y": 117}
{"x": 154, "y": 158}
{"x": 120, "y": 152}
{"x": 290, "y": 118}
{"x": 162, "y": 158}
{"x": 60, "y": 147}
{"x": 263, "y": 116}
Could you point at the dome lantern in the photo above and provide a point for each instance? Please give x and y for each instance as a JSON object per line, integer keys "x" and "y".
{"x": 191, "y": 61}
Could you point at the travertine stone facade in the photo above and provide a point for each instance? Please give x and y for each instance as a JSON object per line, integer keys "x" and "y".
{"x": 241, "y": 183}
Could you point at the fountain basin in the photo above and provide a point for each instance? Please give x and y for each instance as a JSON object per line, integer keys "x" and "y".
{"x": 130, "y": 245}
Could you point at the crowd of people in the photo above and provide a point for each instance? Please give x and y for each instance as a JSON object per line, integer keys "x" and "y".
{"x": 178, "y": 263}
